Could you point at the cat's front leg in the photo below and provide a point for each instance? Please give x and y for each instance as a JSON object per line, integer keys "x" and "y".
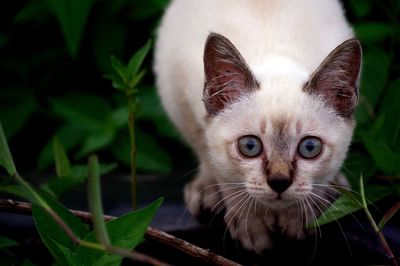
{"x": 245, "y": 222}
{"x": 292, "y": 221}
{"x": 202, "y": 193}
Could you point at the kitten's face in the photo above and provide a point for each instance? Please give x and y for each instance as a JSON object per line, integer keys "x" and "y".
{"x": 279, "y": 145}
{"x": 284, "y": 136}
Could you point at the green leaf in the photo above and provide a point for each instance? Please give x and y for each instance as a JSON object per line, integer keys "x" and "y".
{"x": 3, "y": 40}
{"x": 19, "y": 191}
{"x": 86, "y": 110}
{"x": 63, "y": 166}
{"x": 390, "y": 110}
{"x": 361, "y": 8}
{"x": 7, "y": 242}
{"x": 346, "y": 205}
{"x": 373, "y": 80}
{"x": 58, "y": 186}
{"x": 70, "y": 135}
{"x": 151, "y": 110}
{"x": 109, "y": 38}
{"x": 145, "y": 9}
{"x": 150, "y": 156}
{"x": 135, "y": 81}
{"x": 120, "y": 69}
{"x": 95, "y": 203}
{"x": 126, "y": 231}
{"x": 17, "y": 106}
{"x": 6, "y": 159}
{"x": 66, "y": 257}
{"x": 72, "y": 16}
{"x": 119, "y": 117}
{"x": 95, "y": 142}
{"x": 137, "y": 59}
{"x": 81, "y": 170}
{"x": 388, "y": 215}
{"x": 358, "y": 163}
{"x": 27, "y": 262}
{"x": 51, "y": 232}
{"x": 369, "y": 32}
{"x": 34, "y": 10}
{"x": 385, "y": 158}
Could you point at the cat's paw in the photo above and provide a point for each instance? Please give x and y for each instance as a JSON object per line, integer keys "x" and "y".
{"x": 202, "y": 194}
{"x": 249, "y": 229}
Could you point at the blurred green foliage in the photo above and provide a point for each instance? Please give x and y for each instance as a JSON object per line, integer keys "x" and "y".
{"x": 55, "y": 52}
{"x": 54, "y": 55}
{"x": 376, "y": 145}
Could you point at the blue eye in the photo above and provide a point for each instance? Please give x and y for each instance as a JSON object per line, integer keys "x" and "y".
{"x": 250, "y": 146}
{"x": 309, "y": 147}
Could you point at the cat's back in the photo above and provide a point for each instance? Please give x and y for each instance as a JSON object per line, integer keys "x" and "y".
{"x": 304, "y": 31}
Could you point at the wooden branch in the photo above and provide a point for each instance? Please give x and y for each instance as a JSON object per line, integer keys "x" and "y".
{"x": 152, "y": 233}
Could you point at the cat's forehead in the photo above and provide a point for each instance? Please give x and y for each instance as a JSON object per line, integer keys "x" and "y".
{"x": 277, "y": 109}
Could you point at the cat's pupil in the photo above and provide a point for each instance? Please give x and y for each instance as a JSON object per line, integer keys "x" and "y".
{"x": 250, "y": 144}
{"x": 310, "y": 146}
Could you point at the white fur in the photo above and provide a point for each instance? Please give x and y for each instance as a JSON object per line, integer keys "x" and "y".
{"x": 283, "y": 42}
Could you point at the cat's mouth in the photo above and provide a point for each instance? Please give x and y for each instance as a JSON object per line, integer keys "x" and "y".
{"x": 276, "y": 200}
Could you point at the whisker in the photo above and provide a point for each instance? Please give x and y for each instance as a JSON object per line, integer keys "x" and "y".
{"x": 234, "y": 184}
{"x": 335, "y": 187}
{"x": 228, "y": 199}
{"x": 317, "y": 228}
{"x": 242, "y": 200}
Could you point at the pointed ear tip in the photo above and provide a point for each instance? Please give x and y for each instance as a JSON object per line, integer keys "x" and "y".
{"x": 355, "y": 42}
{"x": 213, "y": 35}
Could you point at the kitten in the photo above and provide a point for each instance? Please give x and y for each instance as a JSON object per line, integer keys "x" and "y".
{"x": 264, "y": 92}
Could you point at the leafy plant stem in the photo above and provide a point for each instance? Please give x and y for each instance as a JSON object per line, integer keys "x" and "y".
{"x": 47, "y": 208}
{"x": 94, "y": 199}
{"x": 131, "y": 125}
{"x": 378, "y": 231}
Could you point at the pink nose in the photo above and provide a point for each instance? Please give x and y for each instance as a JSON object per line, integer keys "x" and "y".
{"x": 279, "y": 182}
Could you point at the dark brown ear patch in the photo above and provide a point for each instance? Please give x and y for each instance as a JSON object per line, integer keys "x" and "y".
{"x": 336, "y": 79}
{"x": 227, "y": 75}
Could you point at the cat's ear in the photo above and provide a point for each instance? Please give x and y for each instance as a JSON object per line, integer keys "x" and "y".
{"x": 227, "y": 76}
{"x": 336, "y": 79}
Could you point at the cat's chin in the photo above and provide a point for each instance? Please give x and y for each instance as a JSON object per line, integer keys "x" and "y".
{"x": 276, "y": 202}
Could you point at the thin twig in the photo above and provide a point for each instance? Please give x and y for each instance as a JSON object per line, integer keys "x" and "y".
{"x": 26, "y": 208}
{"x": 152, "y": 233}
